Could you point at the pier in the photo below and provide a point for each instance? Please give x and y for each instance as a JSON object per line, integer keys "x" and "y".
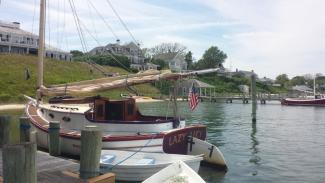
{"x": 21, "y": 162}
{"x": 244, "y": 98}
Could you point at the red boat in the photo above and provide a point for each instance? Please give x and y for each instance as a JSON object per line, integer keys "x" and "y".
{"x": 318, "y": 100}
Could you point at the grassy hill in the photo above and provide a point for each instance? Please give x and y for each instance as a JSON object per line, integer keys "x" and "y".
{"x": 13, "y": 83}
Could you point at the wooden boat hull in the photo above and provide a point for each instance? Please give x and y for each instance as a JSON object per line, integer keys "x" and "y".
{"x": 133, "y": 168}
{"x": 305, "y": 102}
{"x": 176, "y": 172}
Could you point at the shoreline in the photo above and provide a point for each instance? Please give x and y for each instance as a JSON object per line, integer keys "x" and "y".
{"x": 11, "y": 107}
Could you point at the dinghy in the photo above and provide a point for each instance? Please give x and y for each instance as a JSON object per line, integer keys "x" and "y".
{"x": 138, "y": 166}
{"x": 212, "y": 155}
{"x": 181, "y": 143}
{"x": 176, "y": 172}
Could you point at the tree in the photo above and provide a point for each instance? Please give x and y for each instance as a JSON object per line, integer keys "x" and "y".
{"x": 76, "y": 53}
{"x": 162, "y": 64}
{"x": 167, "y": 48}
{"x": 297, "y": 80}
{"x": 282, "y": 79}
{"x": 189, "y": 60}
{"x": 212, "y": 58}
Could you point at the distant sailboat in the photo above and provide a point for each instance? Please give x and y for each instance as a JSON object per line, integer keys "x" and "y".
{"x": 315, "y": 100}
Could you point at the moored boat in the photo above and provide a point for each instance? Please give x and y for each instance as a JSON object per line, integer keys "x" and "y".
{"x": 176, "y": 172}
{"x": 117, "y": 134}
{"x": 315, "y": 101}
{"x": 138, "y": 166}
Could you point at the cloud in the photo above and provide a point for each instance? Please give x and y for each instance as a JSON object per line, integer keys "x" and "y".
{"x": 270, "y": 36}
{"x": 275, "y": 36}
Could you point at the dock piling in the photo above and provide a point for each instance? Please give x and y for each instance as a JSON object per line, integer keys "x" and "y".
{"x": 91, "y": 144}
{"x": 254, "y": 98}
{"x": 19, "y": 163}
{"x": 54, "y": 138}
{"x": 25, "y": 129}
{"x": 4, "y": 130}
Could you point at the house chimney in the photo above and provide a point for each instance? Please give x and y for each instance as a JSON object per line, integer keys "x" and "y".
{"x": 16, "y": 24}
{"x": 118, "y": 41}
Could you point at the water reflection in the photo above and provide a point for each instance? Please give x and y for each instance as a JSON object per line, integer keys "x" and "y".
{"x": 255, "y": 159}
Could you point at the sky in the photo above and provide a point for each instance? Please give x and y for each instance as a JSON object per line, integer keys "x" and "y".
{"x": 271, "y": 37}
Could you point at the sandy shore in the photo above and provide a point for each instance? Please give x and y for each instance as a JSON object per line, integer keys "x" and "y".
{"x": 11, "y": 106}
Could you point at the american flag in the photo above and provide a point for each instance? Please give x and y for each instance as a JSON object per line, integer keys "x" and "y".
{"x": 193, "y": 98}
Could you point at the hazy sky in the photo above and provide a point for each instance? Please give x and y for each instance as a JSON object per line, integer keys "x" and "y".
{"x": 268, "y": 36}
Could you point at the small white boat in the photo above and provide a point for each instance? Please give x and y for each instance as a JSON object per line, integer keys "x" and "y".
{"x": 138, "y": 166}
{"x": 212, "y": 154}
{"x": 176, "y": 172}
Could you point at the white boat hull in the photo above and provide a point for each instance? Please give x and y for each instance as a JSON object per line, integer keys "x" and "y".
{"x": 176, "y": 172}
{"x": 212, "y": 154}
{"x": 130, "y": 170}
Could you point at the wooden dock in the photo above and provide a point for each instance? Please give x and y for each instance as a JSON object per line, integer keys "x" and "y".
{"x": 51, "y": 169}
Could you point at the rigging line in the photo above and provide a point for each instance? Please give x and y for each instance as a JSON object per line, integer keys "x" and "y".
{"x": 77, "y": 26}
{"x": 122, "y": 22}
{"x": 114, "y": 58}
{"x": 105, "y": 22}
{"x": 64, "y": 31}
{"x": 58, "y": 25}
{"x": 92, "y": 20}
{"x": 82, "y": 39}
{"x": 34, "y": 12}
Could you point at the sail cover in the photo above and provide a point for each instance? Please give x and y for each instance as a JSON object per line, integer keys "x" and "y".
{"x": 108, "y": 83}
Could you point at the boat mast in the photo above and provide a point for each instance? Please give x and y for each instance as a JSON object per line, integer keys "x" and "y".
{"x": 41, "y": 47}
{"x": 315, "y": 85}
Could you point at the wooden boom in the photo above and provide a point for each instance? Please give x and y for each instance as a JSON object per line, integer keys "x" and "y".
{"x": 103, "y": 84}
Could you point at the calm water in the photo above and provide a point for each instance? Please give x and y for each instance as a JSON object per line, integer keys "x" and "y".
{"x": 287, "y": 144}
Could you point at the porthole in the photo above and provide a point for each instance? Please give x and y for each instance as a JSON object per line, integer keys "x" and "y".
{"x": 66, "y": 119}
{"x": 51, "y": 115}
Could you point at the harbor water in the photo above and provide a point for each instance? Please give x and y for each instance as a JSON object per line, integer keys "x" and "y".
{"x": 287, "y": 144}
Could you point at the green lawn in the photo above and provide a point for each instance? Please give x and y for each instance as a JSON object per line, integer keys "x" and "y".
{"x": 13, "y": 83}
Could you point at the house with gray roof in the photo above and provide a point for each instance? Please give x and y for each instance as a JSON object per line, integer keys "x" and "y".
{"x": 175, "y": 61}
{"x": 131, "y": 50}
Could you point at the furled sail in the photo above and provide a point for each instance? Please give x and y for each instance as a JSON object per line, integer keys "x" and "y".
{"x": 108, "y": 83}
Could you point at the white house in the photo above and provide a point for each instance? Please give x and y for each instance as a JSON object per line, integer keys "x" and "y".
{"x": 15, "y": 40}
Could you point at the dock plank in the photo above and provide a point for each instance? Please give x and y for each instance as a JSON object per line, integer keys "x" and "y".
{"x": 50, "y": 169}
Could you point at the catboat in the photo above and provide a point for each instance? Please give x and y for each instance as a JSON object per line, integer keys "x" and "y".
{"x": 138, "y": 166}
{"x": 122, "y": 125}
{"x": 176, "y": 172}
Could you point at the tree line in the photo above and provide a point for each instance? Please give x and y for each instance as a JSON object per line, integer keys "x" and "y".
{"x": 160, "y": 55}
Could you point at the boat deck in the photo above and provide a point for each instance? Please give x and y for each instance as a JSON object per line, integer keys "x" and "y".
{"x": 50, "y": 169}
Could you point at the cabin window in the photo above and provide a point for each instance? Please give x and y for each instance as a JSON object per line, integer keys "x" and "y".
{"x": 99, "y": 110}
{"x": 130, "y": 109}
{"x": 115, "y": 111}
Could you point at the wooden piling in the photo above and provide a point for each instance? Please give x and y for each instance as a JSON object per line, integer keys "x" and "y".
{"x": 19, "y": 163}
{"x": 4, "y": 130}
{"x": 254, "y": 98}
{"x": 91, "y": 145}
{"x": 25, "y": 129}
{"x": 54, "y": 138}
